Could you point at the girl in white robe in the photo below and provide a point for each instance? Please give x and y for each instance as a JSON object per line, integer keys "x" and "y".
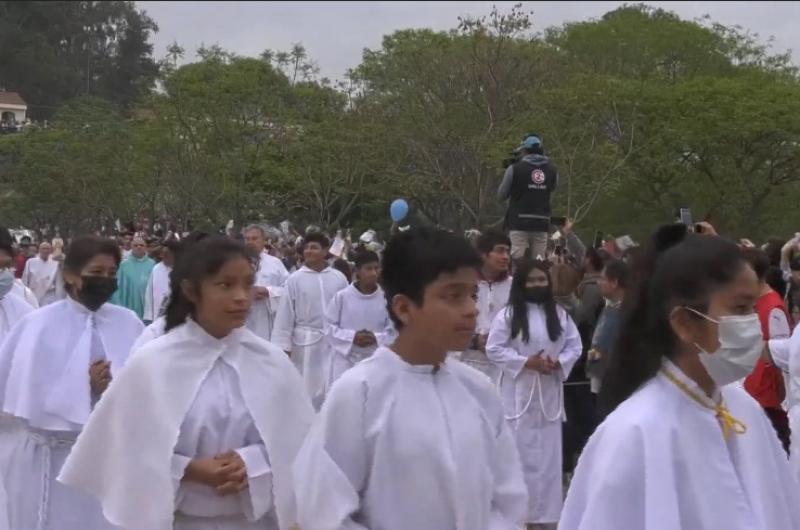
{"x": 535, "y": 343}
{"x": 200, "y": 430}
{"x": 357, "y": 320}
{"x": 409, "y": 439}
{"x": 682, "y": 448}
{"x": 54, "y": 365}
{"x": 12, "y": 306}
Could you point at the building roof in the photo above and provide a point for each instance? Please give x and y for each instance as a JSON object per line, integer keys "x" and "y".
{"x": 11, "y": 98}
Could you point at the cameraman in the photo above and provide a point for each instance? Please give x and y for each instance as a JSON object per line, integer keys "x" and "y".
{"x": 528, "y": 184}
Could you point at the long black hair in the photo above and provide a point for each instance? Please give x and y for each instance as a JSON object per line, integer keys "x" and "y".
{"x": 519, "y": 305}
{"x": 676, "y": 269}
{"x": 194, "y": 264}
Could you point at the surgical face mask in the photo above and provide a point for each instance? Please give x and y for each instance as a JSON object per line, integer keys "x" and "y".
{"x": 6, "y": 281}
{"x": 96, "y": 291}
{"x": 740, "y": 345}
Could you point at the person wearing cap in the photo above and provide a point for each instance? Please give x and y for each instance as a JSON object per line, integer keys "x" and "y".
{"x": 528, "y": 185}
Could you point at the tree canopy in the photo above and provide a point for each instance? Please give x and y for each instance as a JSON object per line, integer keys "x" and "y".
{"x": 641, "y": 111}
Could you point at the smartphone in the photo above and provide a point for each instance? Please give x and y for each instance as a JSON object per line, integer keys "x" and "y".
{"x": 686, "y": 217}
{"x": 598, "y": 239}
{"x": 558, "y": 221}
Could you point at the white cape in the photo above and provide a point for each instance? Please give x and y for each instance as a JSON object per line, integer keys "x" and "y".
{"x": 156, "y": 292}
{"x": 44, "y": 361}
{"x": 660, "y": 462}
{"x": 12, "y": 309}
{"x": 786, "y": 355}
{"x": 123, "y": 456}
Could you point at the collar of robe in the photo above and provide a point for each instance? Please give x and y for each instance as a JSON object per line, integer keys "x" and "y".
{"x": 435, "y": 369}
{"x": 730, "y": 425}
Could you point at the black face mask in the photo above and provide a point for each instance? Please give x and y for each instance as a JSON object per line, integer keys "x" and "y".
{"x": 536, "y": 295}
{"x": 96, "y": 291}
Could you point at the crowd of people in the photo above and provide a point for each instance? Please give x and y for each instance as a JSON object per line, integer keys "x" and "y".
{"x": 236, "y": 382}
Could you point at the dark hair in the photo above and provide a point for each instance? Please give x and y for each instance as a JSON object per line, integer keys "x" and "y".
{"x": 773, "y": 249}
{"x": 6, "y": 241}
{"x": 757, "y": 259}
{"x": 617, "y": 270}
{"x": 172, "y": 245}
{"x": 490, "y": 239}
{"x": 364, "y": 257}
{"x": 342, "y": 266}
{"x": 317, "y": 237}
{"x": 594, "y": 259}
{"x": 677, "y": 269}
{"x": 414, "y": 259}
{"x": 194, "y": 264}
{"x": 774, "y": 278}
{"x": 519, "y": 305}
{"x": 83, "y": 249}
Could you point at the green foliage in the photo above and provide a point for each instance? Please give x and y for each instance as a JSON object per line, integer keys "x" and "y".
{"x": 641, "y": 111}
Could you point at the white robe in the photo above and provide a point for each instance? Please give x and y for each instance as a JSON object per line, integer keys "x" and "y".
{"x": 786, "y": 355}
{"x": 153, "y": 330}
{"x": 156, "y": 292}
{"x": 272, "y": 275}
{"x": 21, "y": 290}
{"x": 660, "y": 462}
{"x": 300, "y": 325}
{"x": 400, "y": 447}
{"x": 350, "y": 312}
{"x": 12, "y": 309}
{"x": 43, "y": 278}
{"x": 186, "y": 395}
{"x": 45, "y": 399}
{"x": 534, "y": 402}
{"x": 492, "y": 297}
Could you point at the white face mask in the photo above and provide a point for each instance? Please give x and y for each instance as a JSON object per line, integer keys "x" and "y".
{"x": 740, "y": 345}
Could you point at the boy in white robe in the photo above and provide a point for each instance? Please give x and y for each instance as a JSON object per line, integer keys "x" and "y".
{"x": 300, "y": 323}
{"x": 270, "y": 280}
{"x": 12, "y": 307}
{"x": 409, "y": 438}
{"x": 536, "y": 352}
{"x": 682, "y": 447}
{"x": 54, "y": 365}
{"x": 494, "y": 287}
{"x": 213, "y": 414}
{"x": 357, "y": 320}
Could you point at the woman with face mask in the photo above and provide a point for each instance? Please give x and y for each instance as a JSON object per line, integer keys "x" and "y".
{"x": 54, "y": 366}
{"x": 682, "y": 448}
{"x": 535, "y": 343}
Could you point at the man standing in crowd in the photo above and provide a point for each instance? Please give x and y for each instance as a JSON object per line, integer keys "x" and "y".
{"x": 613, "y": 282}
{"x": 41, "y": 275}
{"x": 528, "y": 185}
{"x": 268, "y": 289}
{"x": 132, "y": 278}
{"x": 22, "y": 256}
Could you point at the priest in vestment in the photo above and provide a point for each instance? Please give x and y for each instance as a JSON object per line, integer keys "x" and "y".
{"x": 133, "y": 275}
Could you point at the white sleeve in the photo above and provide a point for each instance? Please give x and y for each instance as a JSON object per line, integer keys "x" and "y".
{"x": 339, "y": 339}
{"x": 499, "y": 349}
{"x": 284, "y": 322}
{"x": 276, "y": 292}
{"x": 178, "y": 469}
{"x": 780, "y": 350}
{"x": 257, "y": 498}
{"x": 26, "y": 274}
{"x": 572, "y": 347}
{"x": 149, "y": 311}
{"x": 332, "y": 466}
{"x": 779, "y": 325}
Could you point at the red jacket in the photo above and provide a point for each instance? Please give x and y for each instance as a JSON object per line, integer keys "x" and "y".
{"x": 766, "y": 383}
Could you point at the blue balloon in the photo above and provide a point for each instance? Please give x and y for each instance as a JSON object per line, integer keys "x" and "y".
{"x": 398, "y": 210}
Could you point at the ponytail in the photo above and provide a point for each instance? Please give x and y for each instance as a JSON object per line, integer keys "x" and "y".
{"x": 675, "y": 269}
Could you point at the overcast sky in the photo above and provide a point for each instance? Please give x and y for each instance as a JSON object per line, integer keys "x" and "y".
{"x": 335, "y": 33}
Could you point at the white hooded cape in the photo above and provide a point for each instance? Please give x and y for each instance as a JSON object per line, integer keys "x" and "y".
{"x": 123, "y": 456}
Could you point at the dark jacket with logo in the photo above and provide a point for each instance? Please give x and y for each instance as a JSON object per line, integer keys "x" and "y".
{"x": 528, "y": 185}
